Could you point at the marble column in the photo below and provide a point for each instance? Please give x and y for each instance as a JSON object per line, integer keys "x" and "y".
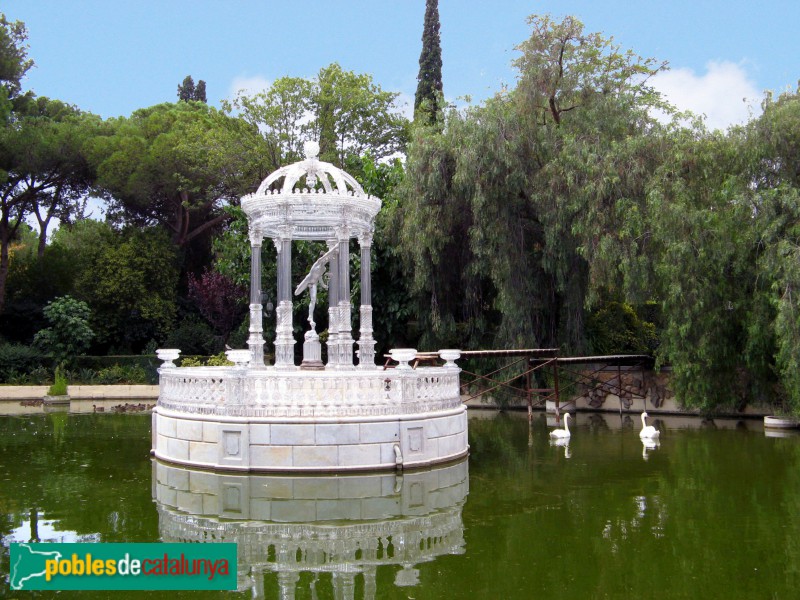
{"x": 287, "y": 583}
{"x": 366, "y": 341}
{"x": 370, "y": 586}
{"x": 333, "y": 308}
{"x": 284, "y": 335}
{"x": 255, "y": 342}
{"x": 345, "y": 307}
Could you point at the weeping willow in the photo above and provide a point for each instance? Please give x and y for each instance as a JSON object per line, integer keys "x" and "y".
{"x": 507, "y": 204}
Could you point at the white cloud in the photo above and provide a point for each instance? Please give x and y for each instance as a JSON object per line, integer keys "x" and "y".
{"x": 724, "y": 93}
{"x": 250, "y": 85}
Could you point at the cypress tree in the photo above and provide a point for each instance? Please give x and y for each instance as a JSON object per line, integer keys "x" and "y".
{"x": 200, "y": 91}
{"x": 429, "y": 86}
{"x": 188, "y": 91}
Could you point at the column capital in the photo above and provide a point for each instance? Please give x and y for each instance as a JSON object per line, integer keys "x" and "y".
{"x": 342, "y": 233}
{"x": 285, "y": 233}
{"x": 256, "y": 237}
{"x": 365, "y": 239}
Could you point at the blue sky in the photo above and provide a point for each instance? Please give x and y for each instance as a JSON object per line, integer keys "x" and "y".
{"x": 111, "y": 57}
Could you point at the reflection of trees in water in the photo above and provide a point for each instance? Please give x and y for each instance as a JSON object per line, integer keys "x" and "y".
{"x": 88, "y": 462}
{"x": 596, "y": 422}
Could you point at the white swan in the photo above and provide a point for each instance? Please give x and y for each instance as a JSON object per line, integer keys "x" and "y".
{"x": 648, "y": 431}
{"x": 561, "y": 433}
{"x": 648, "y": 445}
{"x": 563, "y": 442}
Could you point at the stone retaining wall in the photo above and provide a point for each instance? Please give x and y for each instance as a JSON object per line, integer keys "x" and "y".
{"x": 87, "y": 392}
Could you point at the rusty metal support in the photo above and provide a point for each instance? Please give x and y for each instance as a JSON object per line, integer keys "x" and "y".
{"x": 555, "y": 383}
{"x": 528, "y": 392}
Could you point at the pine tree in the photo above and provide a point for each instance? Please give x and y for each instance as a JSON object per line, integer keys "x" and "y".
{"x": 429, "y": 86}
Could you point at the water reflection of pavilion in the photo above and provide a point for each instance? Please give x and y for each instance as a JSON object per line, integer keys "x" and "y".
{"x": 343, "y": 526}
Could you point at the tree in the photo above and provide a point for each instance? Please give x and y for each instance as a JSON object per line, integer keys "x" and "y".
{"x": 280, "y": 114}
{"x": 220, "y": 301}
{"x": 563, "y": 69}
{"x": 771, "y": 185}
{"x": 44, "y": 169}
{"x": 33, "y": 281}
{"x": 130, "y": 282}
{"x": 347, "y": 113}
{"x": 188, "y": 92}
{"x": 503, "y": 209}
{"x": 14, "y": 62}
{"x": 177, "y": 165}
{"x": 427, "y": 100}
{"x": 200, "y": 92}
{"x": 69, "y": 334}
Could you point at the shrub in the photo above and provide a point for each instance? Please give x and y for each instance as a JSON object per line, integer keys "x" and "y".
{"x": 37, "y": 376}
{"x": 69, "y": 333}
{"x": 18, "y": 359}
{"x": 219, "y": 360}
{"x": 194, "y": 337}
{"x": 59, "y": 387}
{"x": 117, "y": 374}
{"x": 616, "y": 329}
{"x": 192, "y": 361}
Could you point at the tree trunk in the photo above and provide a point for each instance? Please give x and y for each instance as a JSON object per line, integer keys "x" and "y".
{"x": 5, "y": 238}
{"x": 42, "y": 241}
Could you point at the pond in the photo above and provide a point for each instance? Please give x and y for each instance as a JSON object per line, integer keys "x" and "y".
{"x": 713, "y": 512}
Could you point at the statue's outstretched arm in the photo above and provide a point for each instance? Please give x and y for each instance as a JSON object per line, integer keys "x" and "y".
{"x": 316, "y": 271}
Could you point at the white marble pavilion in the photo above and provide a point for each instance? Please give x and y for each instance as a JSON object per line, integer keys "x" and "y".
{"x": 339, "y": 416}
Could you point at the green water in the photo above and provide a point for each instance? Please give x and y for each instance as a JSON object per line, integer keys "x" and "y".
{"x": 713, "y": 512}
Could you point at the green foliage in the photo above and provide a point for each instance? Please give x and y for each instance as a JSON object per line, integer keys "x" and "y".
{"x": 177, "y": 165}
{"x": 615, "y": 328}
{"x": 188, "y": 92}
{"x": 351, "y": 115}
{"x": 428, "y": 98}
{"x": 69, "y": 333}
{"x": 191, "y": 361}
{"x": 33, "y": 282}
{"x": 17, "y": 359}
{"x": 59, "y": 387}
{"x": 14, "y": 61}
{"x": 44, "y": 170}
{"x": 390, "y": 292}
{"x": 217, "y": 360}
{"x": 499, "y": 217}
{"x": 194, "y": 336}
{"x": 770, "y": 147}
{"x": 121, "y": 374}
{"x": 131, "y": 281}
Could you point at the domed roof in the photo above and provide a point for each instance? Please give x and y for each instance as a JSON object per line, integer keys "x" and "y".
{"x": 314, "y": 172}
{"x": 311, "y": 200}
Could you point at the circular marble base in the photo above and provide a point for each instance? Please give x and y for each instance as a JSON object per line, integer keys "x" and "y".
{"x": 309, "y": 421}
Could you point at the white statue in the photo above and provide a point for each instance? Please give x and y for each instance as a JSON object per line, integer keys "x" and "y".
{"x": 314, "y": 278}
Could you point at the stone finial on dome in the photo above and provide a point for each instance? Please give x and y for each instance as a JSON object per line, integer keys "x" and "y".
{"x": 311, "y": 149}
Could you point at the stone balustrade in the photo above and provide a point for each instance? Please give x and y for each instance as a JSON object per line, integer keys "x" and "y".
{"x": 274, "y": 419}
{"x": 231, "y": 392}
